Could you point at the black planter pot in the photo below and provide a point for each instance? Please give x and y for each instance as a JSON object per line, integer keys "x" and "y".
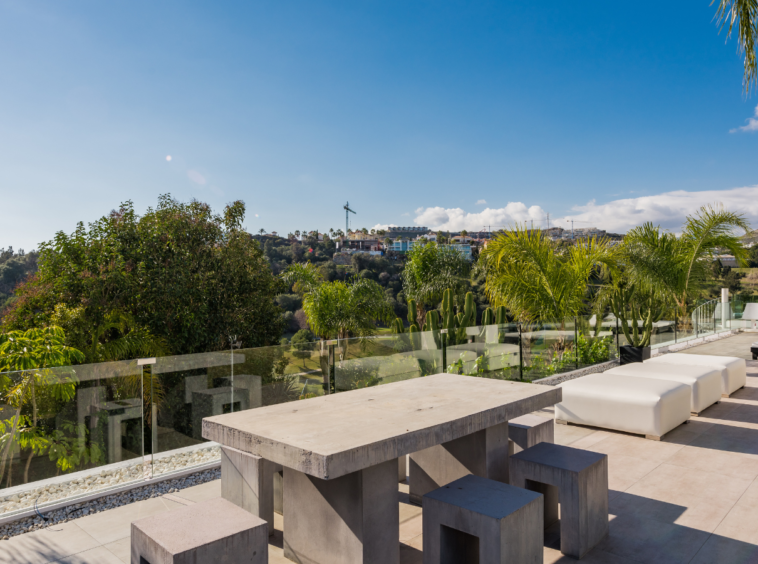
{"x": 631, "y": 354}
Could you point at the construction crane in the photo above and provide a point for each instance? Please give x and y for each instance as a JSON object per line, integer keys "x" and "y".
{"x": 347, "y": 209}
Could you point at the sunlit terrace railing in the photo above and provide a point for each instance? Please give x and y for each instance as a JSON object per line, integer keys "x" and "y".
{"x": 73, "y": 431}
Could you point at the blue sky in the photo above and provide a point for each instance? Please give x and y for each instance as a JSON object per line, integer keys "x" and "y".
{"x": 415, "y": 112}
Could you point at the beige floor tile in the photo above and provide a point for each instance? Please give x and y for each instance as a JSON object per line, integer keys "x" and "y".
{"x": 590, "y": 440}
{"x": 741, "y": 523}
{"x": 645, "y": 540}
{"x": 411, "y": 554}
{"x": 46, "y": 545}
{"x": 687, "y": 487}
{"x": 721, "y": 462}
{"x": 595, "y": 556}
{"x": 203, "y": 492}
{"x": 718, "y": 549}
{"x": 99, "y": 555}
{"x": 706, "y": 515}
{"x": 122, "y": 549}
{"x": 408, "y": 512}
{"x": 637, "y": 447}
{"x": 411, "y": 528}
{"x": 625, "y": 471}
{"x": 568, "y": 434}
{"x": 116, "y": 523}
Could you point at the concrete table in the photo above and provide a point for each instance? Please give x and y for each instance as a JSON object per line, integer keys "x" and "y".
{"x": 340, "y": 451}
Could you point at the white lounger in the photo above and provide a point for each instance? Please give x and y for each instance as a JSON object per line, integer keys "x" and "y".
{"x": 625, "y": 403}
{"x": 704, "y": 381}
{"x": 733, "y": 369}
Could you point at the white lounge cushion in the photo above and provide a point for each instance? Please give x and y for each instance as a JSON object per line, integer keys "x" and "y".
{"x": 625, "y": 403}
{"x": 733, "y": 369}
{"x": 704, "y": 381}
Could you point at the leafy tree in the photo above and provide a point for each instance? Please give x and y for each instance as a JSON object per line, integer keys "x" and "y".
{"x": 179, "y": 271}
{"x": 29, "y": 354}
{"x": 678, "y": 265}
{"x": 429, "y": 270}
{"x": 15, "y": 267}
{"x": 527, "y": 274}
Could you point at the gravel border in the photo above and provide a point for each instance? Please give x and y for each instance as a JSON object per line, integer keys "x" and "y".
{"x": 107, "y": 502}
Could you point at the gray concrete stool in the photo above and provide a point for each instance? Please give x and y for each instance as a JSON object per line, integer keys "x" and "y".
{"x": 474, "y": 520}
{"x": 528, "y": 430}
{"x": 579, "y": 479}
{"x": 214, "y": 531}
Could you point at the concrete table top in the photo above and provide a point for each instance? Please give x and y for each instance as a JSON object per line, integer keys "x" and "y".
{"x": 334, "y": 435}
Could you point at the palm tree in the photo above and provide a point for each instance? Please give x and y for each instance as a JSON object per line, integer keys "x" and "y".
{"x": 744, "y": 15}
{"x": 261, "y": 231}
{"x": 678, "y": 266}
{"x": 527, "y": 273}
{"x": 297, "y": 233}
{"x": 338, "y": 310}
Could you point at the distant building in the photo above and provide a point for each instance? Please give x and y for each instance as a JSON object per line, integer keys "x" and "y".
{"x": 409, "y": 232}
{"x": 750, "y": 239}
{"x": 404, "y": 245}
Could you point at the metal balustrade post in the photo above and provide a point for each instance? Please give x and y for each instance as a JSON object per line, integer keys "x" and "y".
{"x": 520, "y": 355}
{"x": 576, "y": 344}
{"x": 443, "y": 336}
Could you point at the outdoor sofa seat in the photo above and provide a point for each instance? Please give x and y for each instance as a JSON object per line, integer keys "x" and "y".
{"x": 733, "y": 369}
{"x": 704, "y": 381}
{"x": 624, "y": 403}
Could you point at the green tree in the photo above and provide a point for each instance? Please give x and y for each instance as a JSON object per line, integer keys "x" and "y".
{"x": 29, "y": 355}
{"x": 429, "y": 270}
{"x": 742, "y": 15}
{"x": 180, "y": 271}
{"x": 527, "y": 274}
{"x": 679, "y": 266}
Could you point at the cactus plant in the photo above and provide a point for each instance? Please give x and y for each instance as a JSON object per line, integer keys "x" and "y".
{"x": 412, "y": 312}
{"x": 432, "y": 324}
{"x": 448, "y": 317}
{"x": 466, "y": 318}
{"x": 488, "y": 317}
{"x": 397, "y": 326}
{"x": 501, "y": 315}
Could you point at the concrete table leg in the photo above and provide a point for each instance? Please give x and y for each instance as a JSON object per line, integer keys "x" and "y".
{"x": 278, "y": 479}
{"x": 484, "y": 454}
{"x": 248, "y": 481}
{"x": 402, "y": 468}
{"x": 352, "y": 519}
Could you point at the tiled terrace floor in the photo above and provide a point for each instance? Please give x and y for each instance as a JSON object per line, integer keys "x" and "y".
{"x": 692, "y": 497}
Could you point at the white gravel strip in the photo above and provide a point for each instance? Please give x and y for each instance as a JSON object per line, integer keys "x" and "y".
{"x": 104, "y": 503}
{"x": 112, "y": 476}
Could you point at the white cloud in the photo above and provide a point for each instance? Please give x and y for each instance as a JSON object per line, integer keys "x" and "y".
{"x": 752, "y": 124}
{"x": 196, "y": 177}
{"x": 481, "y": 202}
{"x": 667, "y": 210}
{"x": 456, "y": 219}
{"x": 383, "y": 226}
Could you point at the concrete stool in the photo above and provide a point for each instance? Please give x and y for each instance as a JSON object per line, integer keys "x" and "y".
{"x": 474, "y": 520}
{"x": 579, "y": 479}
{"x": 248, "y": 482}
{"x": 212, "y": 531}
{"x": 528, "y": 430}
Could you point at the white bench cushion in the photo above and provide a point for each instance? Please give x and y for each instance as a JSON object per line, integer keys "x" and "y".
{"x": 704, "y": 381}
{"x": 733, "y": 369}
{"x": 625, "y": 403}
